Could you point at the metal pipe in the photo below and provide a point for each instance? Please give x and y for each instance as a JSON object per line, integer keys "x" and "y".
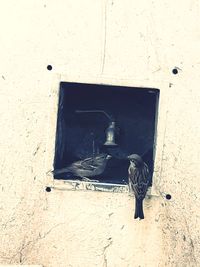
{"x": 95, "y": 111}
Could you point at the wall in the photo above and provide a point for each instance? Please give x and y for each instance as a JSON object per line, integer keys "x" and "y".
{"x": 116, "y": 42}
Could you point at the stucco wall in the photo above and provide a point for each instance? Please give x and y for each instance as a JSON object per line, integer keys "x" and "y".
{"x": 115, "y": 42}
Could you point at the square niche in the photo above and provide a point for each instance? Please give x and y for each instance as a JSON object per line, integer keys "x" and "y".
{"x": 98, "y": 126}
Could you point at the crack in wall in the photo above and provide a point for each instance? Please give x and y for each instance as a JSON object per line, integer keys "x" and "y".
{"x": 104, "y": 253}
{"x": 20, "y": 253}
{"x": 192, "y": 254}
{"x": 105, "y": 37}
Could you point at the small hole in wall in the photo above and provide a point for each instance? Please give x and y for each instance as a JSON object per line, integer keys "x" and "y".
{"x": 175, "y": 71}
{"x": 168, "y": 196}
{"x": 49, "y": 67}
{"x": 48, "y": 189}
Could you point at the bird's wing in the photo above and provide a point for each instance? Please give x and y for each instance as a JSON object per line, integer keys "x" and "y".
{"x": 58, "y": 171}
{"x": 73, "y": 167}
{"x": 93, "y": 163}
{"x": 140, "y": 190}
{"x": 139, "y": 180}
{"x": 88, "y": 164}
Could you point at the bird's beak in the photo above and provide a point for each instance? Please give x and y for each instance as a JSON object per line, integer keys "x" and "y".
{"x": 108, "y": 157}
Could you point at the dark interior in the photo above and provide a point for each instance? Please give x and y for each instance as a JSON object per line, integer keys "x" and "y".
{"x": 80, "y": 136}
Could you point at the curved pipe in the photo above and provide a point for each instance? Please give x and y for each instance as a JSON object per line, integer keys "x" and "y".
{"x": 96, "y": 111}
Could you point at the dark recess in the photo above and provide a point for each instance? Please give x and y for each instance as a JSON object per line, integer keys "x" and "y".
{"x": 134, "y": 110}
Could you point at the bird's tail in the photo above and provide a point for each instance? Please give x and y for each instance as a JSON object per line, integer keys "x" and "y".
{"x": 139, "y": 209}
{"x": 58, "y": 171}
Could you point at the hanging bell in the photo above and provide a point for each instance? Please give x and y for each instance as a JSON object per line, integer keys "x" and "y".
{"x": 110, "y": 134}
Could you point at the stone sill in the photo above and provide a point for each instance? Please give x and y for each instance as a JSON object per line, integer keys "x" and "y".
{"x": 77, "y": 185}
{"x": 88, "y": 185}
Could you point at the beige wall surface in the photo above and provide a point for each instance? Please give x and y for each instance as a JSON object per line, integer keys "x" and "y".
{"x": 123, "y": 42}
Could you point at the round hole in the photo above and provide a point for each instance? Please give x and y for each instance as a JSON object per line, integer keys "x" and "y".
{"x": 48, "y": 189}
{"x": 49, "y": 67}
{"x": 168, "y": 196}
{"x": 175, "y": 71}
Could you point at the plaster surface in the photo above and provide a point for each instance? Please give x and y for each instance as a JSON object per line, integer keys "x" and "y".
{"x": 113, "y": 42}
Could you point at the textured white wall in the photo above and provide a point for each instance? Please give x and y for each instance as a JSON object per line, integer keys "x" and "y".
{"x": 127, "y": 42}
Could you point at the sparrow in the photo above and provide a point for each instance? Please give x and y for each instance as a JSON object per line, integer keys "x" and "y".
{"x": 87, "y": 167}
{"x": 139, "y": 179}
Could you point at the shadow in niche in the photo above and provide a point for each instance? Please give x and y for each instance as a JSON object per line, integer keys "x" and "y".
{"x": 81, "y": 136}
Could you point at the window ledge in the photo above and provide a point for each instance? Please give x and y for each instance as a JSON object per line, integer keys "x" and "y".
{"x": 89, "y": 185}
{"x": 77, "y": 185}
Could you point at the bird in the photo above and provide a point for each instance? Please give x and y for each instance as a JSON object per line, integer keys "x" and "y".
{"x": 88, "y": 167}
{"x": 139, "y": 180}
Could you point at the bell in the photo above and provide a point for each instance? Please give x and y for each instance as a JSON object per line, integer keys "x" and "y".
{"x": 110, "y": 131}
{"x": 110, "y": 134}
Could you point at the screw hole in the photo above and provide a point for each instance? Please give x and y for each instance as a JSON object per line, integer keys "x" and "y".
{"x": 175, "y": 71}
{"x": 49, "y": 67}
{"x": 48, "y": 189}
{"x": 168, "y": 196}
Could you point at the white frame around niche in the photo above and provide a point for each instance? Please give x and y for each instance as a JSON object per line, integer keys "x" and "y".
{"x": 52, "y": 121}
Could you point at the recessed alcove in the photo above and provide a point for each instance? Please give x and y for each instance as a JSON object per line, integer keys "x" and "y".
{"x": 85, "y": 113}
